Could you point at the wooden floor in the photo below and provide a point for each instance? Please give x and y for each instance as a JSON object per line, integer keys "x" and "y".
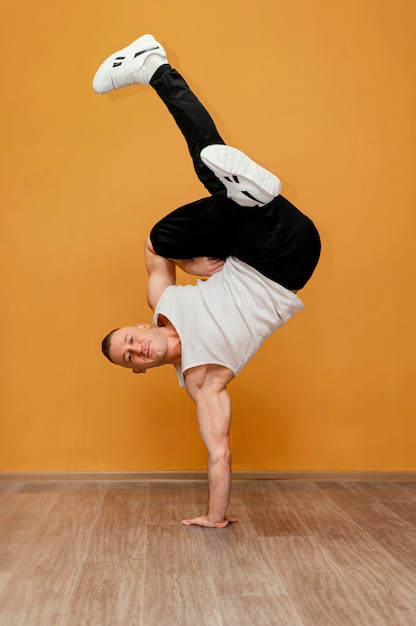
{"x": 302, "y": 553}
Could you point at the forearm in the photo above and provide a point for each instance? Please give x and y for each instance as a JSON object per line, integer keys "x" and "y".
{"x": 184, "y": 264}
{"x": 214, "y": 416}
{"x": 199, "y": 266}
{"x": 219, "y": 487}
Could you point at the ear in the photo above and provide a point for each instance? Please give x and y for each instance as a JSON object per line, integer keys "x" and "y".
{"x": 139, "y": 371}
{"x": 143, "y": 325}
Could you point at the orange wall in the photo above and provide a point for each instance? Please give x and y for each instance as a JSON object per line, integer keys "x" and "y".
{"x": 322, "y": 93}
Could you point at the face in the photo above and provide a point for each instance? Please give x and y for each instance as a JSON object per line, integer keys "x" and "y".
{"x": 138, "y": 347}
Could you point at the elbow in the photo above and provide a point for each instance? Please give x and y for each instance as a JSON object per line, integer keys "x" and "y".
{"x": 148, "y": 246}
{"x": 220, "y": 457}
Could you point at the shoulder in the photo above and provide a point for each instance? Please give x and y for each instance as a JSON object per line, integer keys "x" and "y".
{"x": 213, "y": 378}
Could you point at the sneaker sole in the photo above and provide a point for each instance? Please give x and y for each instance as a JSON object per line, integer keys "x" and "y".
{"x": 234, "y": 168}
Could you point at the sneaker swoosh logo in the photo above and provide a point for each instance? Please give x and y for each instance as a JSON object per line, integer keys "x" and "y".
{"x": 246, "y": 193}
{"x": 146, "y": 50}
{"x": 119, "y": 60}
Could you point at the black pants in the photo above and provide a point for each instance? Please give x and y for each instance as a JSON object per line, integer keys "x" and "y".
{"x": 277, "y": 239}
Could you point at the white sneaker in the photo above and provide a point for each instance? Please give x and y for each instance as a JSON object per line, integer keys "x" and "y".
{"x": 247, "y": 183}
{"x": 128, "y": 67}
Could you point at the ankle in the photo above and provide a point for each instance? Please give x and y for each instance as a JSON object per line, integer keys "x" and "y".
{"x": 165, "y": 67}
{"x": 153, "y": 63}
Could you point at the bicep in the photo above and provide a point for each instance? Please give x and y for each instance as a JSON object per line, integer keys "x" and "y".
{"x": 207, "y": 387}
{"x": 214, "y": 419}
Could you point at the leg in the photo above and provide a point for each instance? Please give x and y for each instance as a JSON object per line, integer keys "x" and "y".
{"x": 278, "y": 240}
{"x": 144, "y": 62}
{"x": 218, "y": 167}
{"x": 203, "y": 228}
{"x": 197, "y": 229}
{"x": 192, "y": 118}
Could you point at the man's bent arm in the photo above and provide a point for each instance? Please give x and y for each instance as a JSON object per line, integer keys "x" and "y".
{"x": 206, "y": 386}
{"x": 162, "y": 274}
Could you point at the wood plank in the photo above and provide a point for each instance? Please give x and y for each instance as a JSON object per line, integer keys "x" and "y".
{"x": 109, "y": 589}
{"x": 178, "y": 587}
{"x": 383, "y": 491}
{"x": 39, "y": 590}
{"x": 183, "y": 600}
{"x": 405, "y": 510}
{"x": 20, "y": 519}
{"x": 318, "y": 590}
{"x": 364, "y": 509}
{"x": 333, "y": 526}
{"x": 396, "y": 535}
{"x": 261, "y": 494}
{"x": 370, "y": 566}
{"x": 397, "y": 498}
{"x": 239, "y": 563}
{"x": 276, "y": 521}
{"x": 314, "y": 511}
{"x": 410, "y": 489}
{"x": 108, "y": 593}
{"x": 389, "y": 590}
{"x": 320, "y": 514}
{"x": 4, "y": 578}
{"x": 258, "y": 611}
{"x": 268, "y": 512}
{"x": 120, "y": 530}
{"x": 401, "y": 545}
{"x": 300, "y": 490}
{"x": 117, "y": 554}
{"x": 170, "y": 503}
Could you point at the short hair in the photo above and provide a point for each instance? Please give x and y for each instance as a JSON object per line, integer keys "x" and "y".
{"x": 106, "y": 345}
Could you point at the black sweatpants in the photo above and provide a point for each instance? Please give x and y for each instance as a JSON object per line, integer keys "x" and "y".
{"x": 276, "y": 239}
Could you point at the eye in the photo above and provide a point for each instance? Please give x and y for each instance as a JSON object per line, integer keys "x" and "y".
{"x": 131, "y": 339}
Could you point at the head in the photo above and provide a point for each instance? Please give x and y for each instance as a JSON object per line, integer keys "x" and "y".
{"x": 135, "y": 347}
{"x": 106, "y": 344}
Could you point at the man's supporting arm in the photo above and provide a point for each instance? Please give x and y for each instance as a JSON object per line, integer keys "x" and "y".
{"x": 207, "y": 387}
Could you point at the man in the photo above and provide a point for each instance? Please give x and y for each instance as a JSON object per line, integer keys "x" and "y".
{"x": 256, "y": 248}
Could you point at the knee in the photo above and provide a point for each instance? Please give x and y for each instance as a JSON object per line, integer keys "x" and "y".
{"x": 160, "y": 240}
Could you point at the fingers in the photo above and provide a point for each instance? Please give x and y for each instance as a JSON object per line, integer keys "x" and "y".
{"x": 224, "y": 524}
{"x": 205, "y": 523}
{"x": 198, "y": 521}
{"x": 215, "y": 265}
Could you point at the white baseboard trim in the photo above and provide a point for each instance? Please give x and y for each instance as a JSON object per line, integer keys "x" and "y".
{"x": 167, "y": 476}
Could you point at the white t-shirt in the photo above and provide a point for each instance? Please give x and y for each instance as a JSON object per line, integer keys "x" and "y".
{"x": 225, "y": 319}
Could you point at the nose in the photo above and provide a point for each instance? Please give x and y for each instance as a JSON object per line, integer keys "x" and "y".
{"x": 138, "y": 349}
